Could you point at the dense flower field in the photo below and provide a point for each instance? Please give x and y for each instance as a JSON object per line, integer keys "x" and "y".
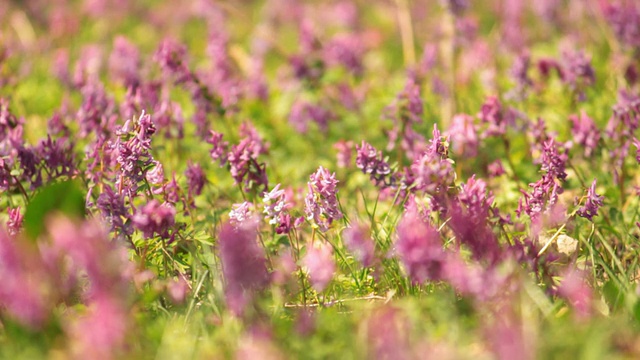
{"x": 319, "y": 179}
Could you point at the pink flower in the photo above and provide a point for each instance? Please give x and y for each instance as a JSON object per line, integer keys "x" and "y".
{"x": 320, "y": 265}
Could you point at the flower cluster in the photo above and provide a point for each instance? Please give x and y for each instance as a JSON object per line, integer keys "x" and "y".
{"x": 321, "y": 203}
{"x": 370, "y": 161}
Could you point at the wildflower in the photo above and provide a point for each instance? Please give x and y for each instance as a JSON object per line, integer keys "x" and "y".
{"x": 133, "y": 151}
{"x": 419, "y": 248}
{"x": 240, "y": 213}
{"x": 519, "y": 73}
{"x": 219, "y": 149}
{"x": 304, "y": 112}
{"x": 243, "y": 264}
{"x": 495, "y": 169}
{"x": 432, "y": 174}
{"x": 585, "y": 132}
{"x": 258, "y": 145}
{"x": 195, "y": 178}
{"x": 155, "y": 175}
{"x": 274, "y": 204}
{"x": 358, "y": 241}
{"x": 321, "y": 203}
{"x": 124, "y": 62}
{"x": 172, "y": 59}
{"x": 576, "y": 292}
{"x": 624, "y": 19}
{"x": 345, "y": 50}
{"x": 370, "y": 161}
{"x": 388, "y": 335}
{"x": 593, "y": 203}
{"x": 343, "y": 157}
{"x": 155, "y": 218}
{"x": 14, "y": 224}
{"x": 244, "y": 166}
{"x": 553, "y": 162}
{"x": 113, "y": 210}
{"x": 320, "y": 264}
{"x": 464, "y": 135}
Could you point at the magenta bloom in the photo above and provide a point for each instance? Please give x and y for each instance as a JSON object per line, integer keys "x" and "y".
{"x": 345, "y": 150}
{"x": 577, "y": 293}
{"x": 243, "y": 264}
{"x": 585, "y": 132}
{"x": 275, "y": 203}
{"x": 241, "y": 213}
{"x": 320, "y": 264}
{"x": 593, "y": 203}
{"x": 358, "y": 241}
{"x": 371, "y": 162}
{"x": 195, "y": 178}
{"x": 218, "y": 151}
{"x": 155, "y": 218}
{"x": 464, "y": 135}
{"x": 419, "y": 248}
{"x": 321, "y": 203}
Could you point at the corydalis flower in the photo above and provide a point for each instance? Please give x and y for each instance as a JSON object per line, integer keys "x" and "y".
{"x": 358, "y": 241}
{"x": 320, "y": 264}
{"x": 345, "y": 150}
{"x": 321, "y": 203}
{"x": 133, "y": 151}
{"x": 593, "y": 203}
{"x": 240, "y": 213}
{"x": 244, "y": 166}
{"x": 155, "y": 218}
{"x": 243, "y": 264}
{"x": 275, "y": 203}
{"x": 433, "y": 172}
{"x": 195, "y": 179}
{"x": 113, "y": 210}
{"x": 464, "y": 135}
{"x": 219, "y": 148}
{"x": 585, "y": 132}
{"x": 419, "y": 248}
{"x": 371, "y": 162}
{"x": 14, "y": 224}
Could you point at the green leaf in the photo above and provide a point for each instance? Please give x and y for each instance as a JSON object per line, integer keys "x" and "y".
{"x": 65, "y": 197}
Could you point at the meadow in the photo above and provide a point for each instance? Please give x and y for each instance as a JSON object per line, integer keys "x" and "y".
{"x": 340, "y": 179}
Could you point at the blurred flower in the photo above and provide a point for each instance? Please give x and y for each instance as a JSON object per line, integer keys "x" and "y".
{"x": 371, "y": 162}
{"x": 495, "y": 169}
{"x": 593, "y": 203}
{"x": 419, "y": 248}
{"x": 243, "y": 264}
{"x": 195, "y": 178}
{"x": 464, "y": 135}
{"x": 387, "y": 334}
{"x": 320, "y": 264}
{"x": 245, "y": 168}
{"x": 304, "y": 112}
{"x": 357, "y": 239}
{"x": 124, "y": 62}
{"x": 574, "y": 289}
{"x": 344, "y": 153}
{"x": 321, "y": 203}
{"x": 585, "y": 132}
{"x": 113, "y": 210}
{"x": 155, "y": 218}
{"x": 240, "y": 213}
{"x": 14, "y": 223}
{"x": 219, "y": 149}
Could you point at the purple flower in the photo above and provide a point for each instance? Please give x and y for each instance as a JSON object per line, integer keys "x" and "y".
{"x": 495, "y": 169}
{"x": 114, "y": 211}
{"x": 219, "y": 147}
{"x": 304, "y": 112}
{"x": 624, "y": 19}
{"x": 14, "y": 224}
{"x": 464, "y": 135}
{"x": 97, "y": 110}
{"x": 195, "y": 178}
{"x": 419, "y": 248}
{"x": 585, "y": 132}
{"x": 133, "y": 151}
{"x": 243, "y": 264}
{"x": 345, "y": 50}
{"x": 553, "y": 162}
{"x": 320, "y": 264}
{"x": 124, "y": 62}
{"x": 321, "y": 203}
{"x": 155, "y": 218}
{"x": 495, "y": 116}
{"x": 520, "y": 74}
{"x": 593, "y": 203}
{"x": 358, "y": 241}
{"x": 432, "y": 174}
{"x": 574, "y": 289}
{"x": 241, "y": 213}
{"x": 345, "y": 152}
{"x": 172, "y": 58}
{"x": 371, "y": 162}
{"x": 155, "y": 174}
{"x": 275, "y": 203}
{"x": 245, "y": 168}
